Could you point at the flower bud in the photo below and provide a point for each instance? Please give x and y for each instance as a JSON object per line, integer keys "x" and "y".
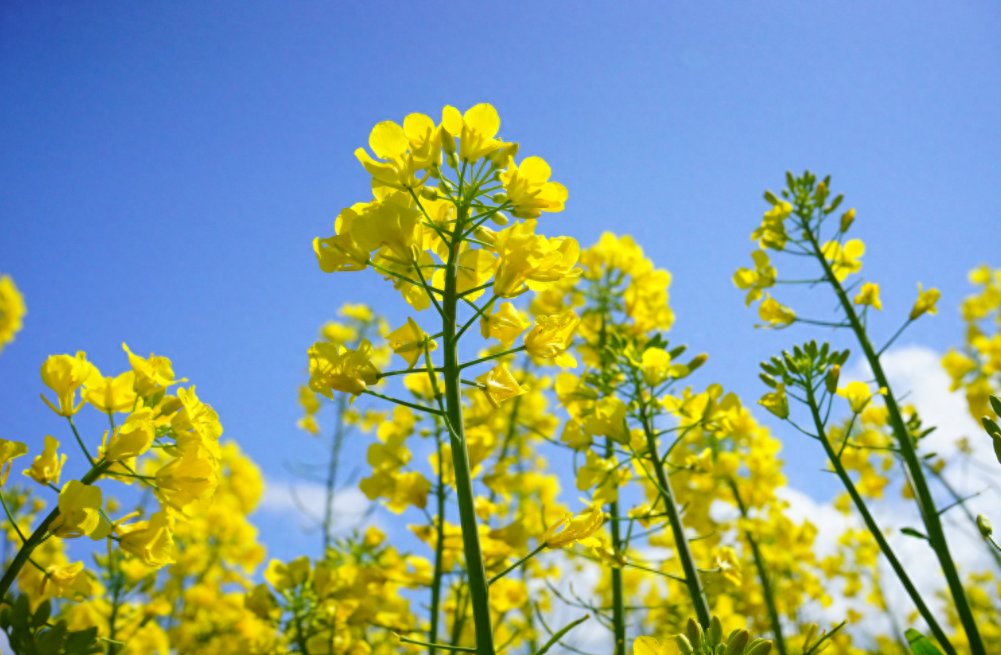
{"x": 499, "y": 198}
{"x": 683, "y": 645}
{"x": 770, "y": 197}
{"x": 996, "y": 404}
{"x": 737, "y": 643}
{"x": 500, "y": 158}
{"x": 759, "y": 647}
{"x": 821, "y": 193}
{"x": 429, "y": 192}
{"x": 985, "y": 527}
{"x": 446, "y": 187}
{"x": 694, "y": 632}
{"x": 832, "y": 378}
{"x": 697, "y": 361}
{"x": 991, "y": 427}
{"x": 790, "y": 180}
{"x": 448, "y": 144}
{"x": 500, "y": 219}
{"x": 847, "y": 219}
{"x": 452, "y": 160}
{"x": 715, "y": 632}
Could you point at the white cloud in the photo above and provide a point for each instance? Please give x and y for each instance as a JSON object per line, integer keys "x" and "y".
{"x": 917, "y": 378}
{"x": 351, "y": 508}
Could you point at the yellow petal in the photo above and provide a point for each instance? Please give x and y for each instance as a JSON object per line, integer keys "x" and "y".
{"x": 451, "y": 120}
{"x": 484, "y": 119}
{"x": 388, "y": 140}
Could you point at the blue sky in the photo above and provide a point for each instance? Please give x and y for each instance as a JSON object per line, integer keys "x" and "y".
{"x": 165, "y": 166}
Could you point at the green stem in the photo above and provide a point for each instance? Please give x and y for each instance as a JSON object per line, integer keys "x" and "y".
{"x": 873, "y": 527}
{"x": 618, "y": 592}
{"x": 692, "y": 579}
{"x": 915, "y": 474}
{"x": 516, "y": 564}
{"x": 439, "y": 550}
{"x": 39, "y": 534}
{"x": 759, "y": 562}
{"x": 475, "y": 572}
{"x": 328, "y": 510}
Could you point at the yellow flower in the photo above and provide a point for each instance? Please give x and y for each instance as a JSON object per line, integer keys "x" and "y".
{"x": 476, "y": 130}
{"x": 528, "y": 259}
{"x": 844, "y": 260}
{"x": 726, "y": 560}
{"x": 869, "y": 295}
{"x": 79, "y": 511}
{"x": 8, "y": 451}
{"x": 409, "y": 342}
{"x": 70, "y": 581}
{"x": 151, "y": 541}
{"x": 775, "y": 314}
{"x": 656, "y": 367}
{"x": 187, "y": 483}
{"x": 608, "y": 420}
{"x": 286, "y": 576}
{"x": 64, "y": 375}
{"x": 551, "y": 336}
{"x": 505, "y": 324}
{"x": 152, "y": 375}
{"x": 926, "y": 302}
{"x": 529, "y": 189}
{"x": 408, "y": 149}
{"x": 957, "y": 365}
{"x": 197, "y": 424}
{"x": 111, "y": 394}
{"x": 574, "y": 527}
{"x": 475, "y": 268}
{"x": 772, "y": 233}
{"x": 340, "y": 253}
{"x": 132, "y": 438}
{"x": 11, "y": 310}
{"x": 651, "y": 646}
{"x": 776, "y": 401}
{"x": 762, "y": 277}
{"x": 46, "y": 468}
{"x": 339, "y": 369}
{"x": 859, "y": 395}
{"x": 499, "y": 385}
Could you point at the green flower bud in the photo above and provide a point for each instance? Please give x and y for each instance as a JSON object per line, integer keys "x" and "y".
{"x": 715, "y": 632}
{"x": 759, "y": 647}
{"x": 499, "y": 198}
{"x": 984, "y": 526}
{"x": 770, "y": 197}
{"x": 452, "y": 160}
{"x": 695, "y": 634}
{"x": 737, "y": 642}
{"x": 991, "y": 427}
{"x": 448, "y": 143}
{"x": 833, "y": 374}
{"x": 683, "y": 645}
{"x": 847, "y": 219}
{"x": 996, "y": 404}
{"x": 429, "y": 192}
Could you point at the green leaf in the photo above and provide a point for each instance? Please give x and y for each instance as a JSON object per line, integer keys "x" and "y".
{"x": 919, "y": 644}
{"x": 42, "y": 613}
{"x": 50, "y": 642}
{"x": 82, "y": 642}
{"x": 911, "y": 532}
{"x": 19, "y": 614}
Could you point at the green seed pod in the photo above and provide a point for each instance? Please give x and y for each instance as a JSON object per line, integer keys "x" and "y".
{"x": 715, "y": 632}
{"x": 683, "y": 645}
{"x": 737, "y": 642}
{"x": 695, "y": 634}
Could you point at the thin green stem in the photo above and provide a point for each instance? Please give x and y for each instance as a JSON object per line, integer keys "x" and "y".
{"x": 39, "y": 535}
{"x": 692, "y": 578}
{"x": 759, "y": 562}
{"x": 489, "y": 357}
{"x": 516, "y": 564}
{"x": 618, "y": 591}
{"x": 80, "y": 441}
{"x": 874, "y": 528}
{"x": 335, "y": 453}
{"x": 913, "y": 469}
{"x": 439, "y": 550}
{"x": 422, "y": 408}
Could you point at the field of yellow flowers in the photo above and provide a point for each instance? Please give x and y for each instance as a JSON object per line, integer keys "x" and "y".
{"x": 526, "y": 359}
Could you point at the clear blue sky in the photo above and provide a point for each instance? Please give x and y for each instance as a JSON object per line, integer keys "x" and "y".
{"x": 164, "y": 166}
